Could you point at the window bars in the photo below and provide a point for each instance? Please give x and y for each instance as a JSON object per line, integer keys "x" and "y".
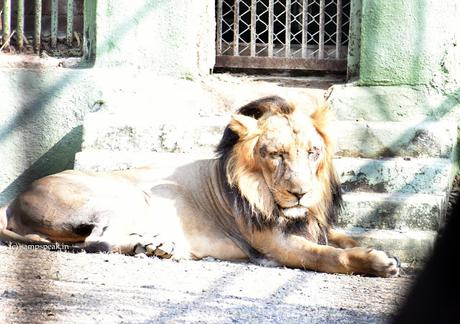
{"x": 282, "y": 34}
{"x": 38, "y": 21}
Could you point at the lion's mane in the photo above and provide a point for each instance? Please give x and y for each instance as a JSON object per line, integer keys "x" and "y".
{"x": 231, "y": 149}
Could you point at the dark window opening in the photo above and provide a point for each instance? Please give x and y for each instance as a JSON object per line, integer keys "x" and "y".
{"x": 54, "y": 27}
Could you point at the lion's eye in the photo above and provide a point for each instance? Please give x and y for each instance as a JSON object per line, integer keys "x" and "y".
{"x": 276, "y": 155}
{"x": 314, "y": 153}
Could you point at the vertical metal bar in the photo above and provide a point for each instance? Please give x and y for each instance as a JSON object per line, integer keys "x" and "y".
{"x": 236, "y": 28}
{"x": 287, "y": 36}
{"x": 89, "y": 30}
{"x": 338, "y": 33}
{"x": 322, "y": 6}
{"x": 20, "y": 27}
{"x": 6, "y": 21}
{"x": 304, "y": 27}
{"x": 37, "y": 24}
{"x": 219, "y": 27}
{"x": 54, "y": 22}
{"x": 253, "y": 27}
{"x": 270, "y": 28}
{"x": 69, "y": 30}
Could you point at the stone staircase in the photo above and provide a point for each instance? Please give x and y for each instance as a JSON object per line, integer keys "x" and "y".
{"x": 395, "y": 175}
{"x": 396, "y": 187}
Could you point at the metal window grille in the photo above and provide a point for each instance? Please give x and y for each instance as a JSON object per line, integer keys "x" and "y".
{"x": 282, "y": 34}
{"x": 35, "y": 25}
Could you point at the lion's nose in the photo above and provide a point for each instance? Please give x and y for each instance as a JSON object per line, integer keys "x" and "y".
{"x": 298, "y": 194}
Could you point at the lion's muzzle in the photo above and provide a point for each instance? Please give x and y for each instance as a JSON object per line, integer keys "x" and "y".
{"x": 295, "y": 212}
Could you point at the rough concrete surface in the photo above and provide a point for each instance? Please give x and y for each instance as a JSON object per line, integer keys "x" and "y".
{"x": 146, "y": 35}
{"x": 106, "y": 130}
{"x": 395, "y": 210}
{"x": 394, "y": 103}
{"x": 411, "y": 246}
{"x": 402, "y": 175}
{"x": 377, "y": 139}
{"x": 40, "y": 286}
{"x": 420, "y": 49}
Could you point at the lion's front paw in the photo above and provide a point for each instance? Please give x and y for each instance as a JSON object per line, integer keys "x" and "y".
{"x": 370, "y": 261}
{"x": 382, "y": 264}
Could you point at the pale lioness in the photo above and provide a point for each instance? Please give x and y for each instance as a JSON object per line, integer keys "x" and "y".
{"x": 271, "y": 194}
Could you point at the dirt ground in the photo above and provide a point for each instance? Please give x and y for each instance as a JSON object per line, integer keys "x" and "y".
{"x": 39, "y": 286}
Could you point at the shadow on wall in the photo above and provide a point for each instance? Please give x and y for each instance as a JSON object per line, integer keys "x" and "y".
{"x": 60, "y": 157}
{"x": 33, "y": 114}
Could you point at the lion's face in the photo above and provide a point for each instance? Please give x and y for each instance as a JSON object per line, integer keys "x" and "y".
{"x": 281, "y": 159}
{"x": 288, "y": 152}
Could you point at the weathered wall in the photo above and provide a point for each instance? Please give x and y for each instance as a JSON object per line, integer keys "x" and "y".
{"x": 410, "y": 42}
{"x": 404, "y": 61}
{"x": 405, "y": 58}
{"x": 39, "y": 124}
{"x": 168, "y": 37}
{"x": 136, "y": 44}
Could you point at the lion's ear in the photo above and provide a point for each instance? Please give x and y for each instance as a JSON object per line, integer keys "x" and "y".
{"x": 243, "y": 125}
{"x": 321, "y": 117}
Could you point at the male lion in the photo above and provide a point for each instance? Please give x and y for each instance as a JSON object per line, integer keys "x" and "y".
{"x": 271, "y": 194}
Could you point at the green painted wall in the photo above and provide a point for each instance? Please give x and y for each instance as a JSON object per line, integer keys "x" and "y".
{"x": 410, "y": 42}
{"x": 404, "y": 61}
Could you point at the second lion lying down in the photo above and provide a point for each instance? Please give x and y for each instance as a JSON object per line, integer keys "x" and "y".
{"x": 271, "y": 194}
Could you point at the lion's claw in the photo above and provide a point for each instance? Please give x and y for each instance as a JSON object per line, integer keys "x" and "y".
{"x": 163, "y": 250}
{"x": 384, "y": 265}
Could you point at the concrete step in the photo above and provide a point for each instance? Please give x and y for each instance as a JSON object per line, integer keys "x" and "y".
{"x": 104, "y": 130}
{"x": 425, "y": 176}
{"x": 414, "y": 175}
{"x": 392, "y": 103}
{"x": 123, "y": 132}
{"x": 103, "y": 160}
{"x": 410, "y": 246}
{"x": 391, "y": 139}
{"x": 394, "y": 210}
